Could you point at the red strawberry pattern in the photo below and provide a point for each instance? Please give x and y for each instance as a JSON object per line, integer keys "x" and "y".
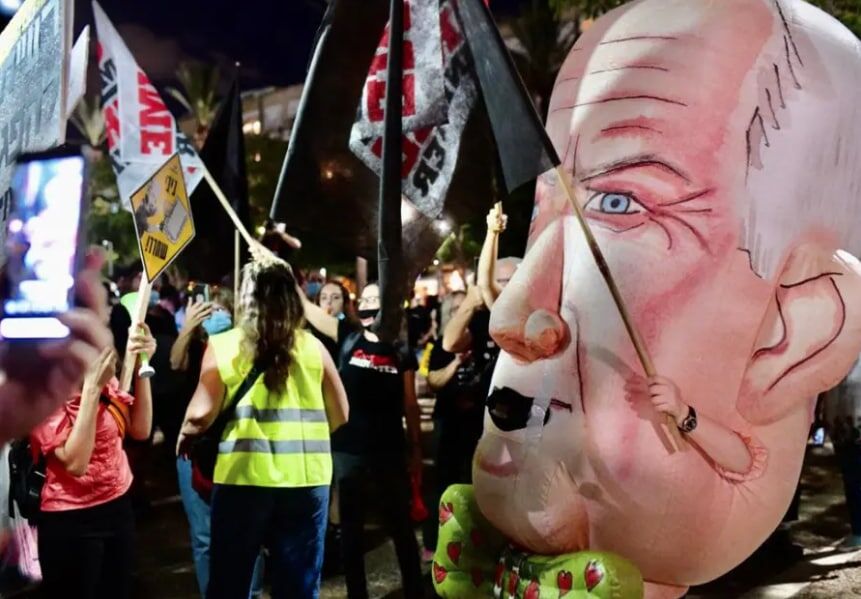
{"x": 564, "y": 581}
{"x": 512, "y": 583}
{"x": 439, "y": 573}
{"x": 454, "y": 550}
{"x": 477, "y": 577}
{"x": 532, "y": 591}
{"x": 446, "y": 510}
{"x": 497, "y": 576}
{"x": 476, "y": 537}
{"x": 593, "y": 574}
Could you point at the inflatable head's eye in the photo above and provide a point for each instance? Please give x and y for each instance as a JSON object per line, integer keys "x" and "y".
{"x": 614, "y": 203}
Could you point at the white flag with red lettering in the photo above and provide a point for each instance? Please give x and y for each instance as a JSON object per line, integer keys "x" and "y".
{"x": 432, "y": 125}
{"x": 141, "y": 132}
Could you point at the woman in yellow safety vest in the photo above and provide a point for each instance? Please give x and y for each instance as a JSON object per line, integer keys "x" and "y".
{"x": 274, "y": 463}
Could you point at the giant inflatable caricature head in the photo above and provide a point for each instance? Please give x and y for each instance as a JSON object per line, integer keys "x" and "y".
{"x": 716, "y": 146}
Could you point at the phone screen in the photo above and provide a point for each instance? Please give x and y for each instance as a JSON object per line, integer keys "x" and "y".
{"x": 42, "y": 246}
{"x": 200, "y": 293}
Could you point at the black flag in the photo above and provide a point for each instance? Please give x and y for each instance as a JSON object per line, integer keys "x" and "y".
{"x": 525, "y": 150}
{"x": 326, "y": 190}
{"x": 210, "y": 256}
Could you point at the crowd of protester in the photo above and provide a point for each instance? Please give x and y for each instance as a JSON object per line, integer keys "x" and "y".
{"x": 317, "y": 424}
{"x": 322, "y": 431}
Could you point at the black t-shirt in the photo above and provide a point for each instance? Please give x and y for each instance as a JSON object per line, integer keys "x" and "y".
{"x": 485, "y": 351}
{"x": 373, "y": 375}
{"x": 463, "y": 393}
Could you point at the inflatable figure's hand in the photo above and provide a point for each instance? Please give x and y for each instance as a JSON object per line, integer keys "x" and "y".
{"x": 667, "y": 398}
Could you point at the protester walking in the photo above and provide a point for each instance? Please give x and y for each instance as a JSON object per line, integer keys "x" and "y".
{"x": 370, "y": 450}
{"x": 86, "y": 525}
{"x": 274, "y": 462}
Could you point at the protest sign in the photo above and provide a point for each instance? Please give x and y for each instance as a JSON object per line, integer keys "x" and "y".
{"x": 34, "y": 48}
{"x": 162, "y": 216}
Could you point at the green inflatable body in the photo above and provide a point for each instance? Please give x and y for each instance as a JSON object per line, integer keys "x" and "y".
{"x": 473, "y": 560}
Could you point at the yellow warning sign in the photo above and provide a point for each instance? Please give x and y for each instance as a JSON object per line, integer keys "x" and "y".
{"x": 162, "y": 216}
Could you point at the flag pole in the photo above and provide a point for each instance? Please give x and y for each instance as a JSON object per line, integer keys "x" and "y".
{"x": 389, "y": 242}
{"x": 231, "y": 213}
{"x": 236, "y": 268}
{"x": 146, "y": 371}
{"x": 670, "y": 428}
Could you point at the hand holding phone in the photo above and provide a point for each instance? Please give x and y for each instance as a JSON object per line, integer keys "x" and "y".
{"x": 43, "y": 243}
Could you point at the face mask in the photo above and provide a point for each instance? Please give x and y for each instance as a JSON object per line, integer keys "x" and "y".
{"x": 219, "y": 322}
{"x": 366, "y": 314}
{"x": 312, "y": 288}
{"x": 154, "y": 297}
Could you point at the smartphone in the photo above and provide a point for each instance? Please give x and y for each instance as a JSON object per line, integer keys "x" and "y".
{"x": 200, "y": 292}
{"x": 44, "y": 243}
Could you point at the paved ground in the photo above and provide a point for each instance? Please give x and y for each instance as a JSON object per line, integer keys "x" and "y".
{"x": 165, "y": 569}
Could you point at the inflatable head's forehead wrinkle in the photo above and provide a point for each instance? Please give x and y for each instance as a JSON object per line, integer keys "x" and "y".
{"x": 714, "y": 146}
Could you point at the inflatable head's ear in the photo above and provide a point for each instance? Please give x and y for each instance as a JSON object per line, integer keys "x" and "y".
{"x": 810, "y": 336}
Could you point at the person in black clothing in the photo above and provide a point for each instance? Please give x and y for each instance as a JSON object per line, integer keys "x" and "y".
{"x": 371, "y": 449}
{"x": 460, "y": 386}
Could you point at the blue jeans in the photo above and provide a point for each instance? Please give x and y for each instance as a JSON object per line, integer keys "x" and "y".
{"x": 289, "y": 522}
{"x": 198, "y": 513}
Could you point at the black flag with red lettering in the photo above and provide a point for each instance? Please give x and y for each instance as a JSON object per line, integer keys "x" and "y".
{"x": 459, "y": 129}
{"x": 326, "y": 190}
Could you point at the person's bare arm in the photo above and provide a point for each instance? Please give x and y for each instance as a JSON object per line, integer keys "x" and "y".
{"x": 456, "y": 338}
{"x": 485, "y": 274}
{"x": 76, "y": 452}
{"x": 317, "y": 316}
{"x": 334, "y": 394}
{"x": 437, "y": 379}
{"x": 195, "y": 314}
{"x": 720, "y": 443}
{"x": 205, "y": 405}
{"x": 140, "y": 416}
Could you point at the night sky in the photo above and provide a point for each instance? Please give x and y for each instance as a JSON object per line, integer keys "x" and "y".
{"x": 271, "y": 38}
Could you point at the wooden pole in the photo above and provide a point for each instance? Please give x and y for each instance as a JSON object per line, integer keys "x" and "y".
{"x": 138, "y": 317}
{"x": 671, "y": 431}
{"x": 227, "y": 207}
{"x": 236, "y": 274}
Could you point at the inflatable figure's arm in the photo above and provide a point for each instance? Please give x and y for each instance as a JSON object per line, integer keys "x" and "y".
{"x": 734, "y": 454}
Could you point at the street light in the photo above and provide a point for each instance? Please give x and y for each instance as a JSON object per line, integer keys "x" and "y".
{"x": 109, "y": 250}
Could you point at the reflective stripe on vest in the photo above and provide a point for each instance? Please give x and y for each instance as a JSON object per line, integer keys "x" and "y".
{"x": 274, "y": 439}
{"x": 280, "y": 414}
{"x": 272, "y": 447}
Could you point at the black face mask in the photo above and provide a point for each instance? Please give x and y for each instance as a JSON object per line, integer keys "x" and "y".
{"x": 366, "y": 314}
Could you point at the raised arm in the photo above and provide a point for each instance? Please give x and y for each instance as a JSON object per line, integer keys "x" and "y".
{"x": 140, "y": 416}
{"x": 485, "y": 275}
{"x": 76, "y": 452}
{"x": 334, "y": 394}
{"x": 456, "y": 338}
{"x": 196, "y": 313}
{"x": 317, "y": 316}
